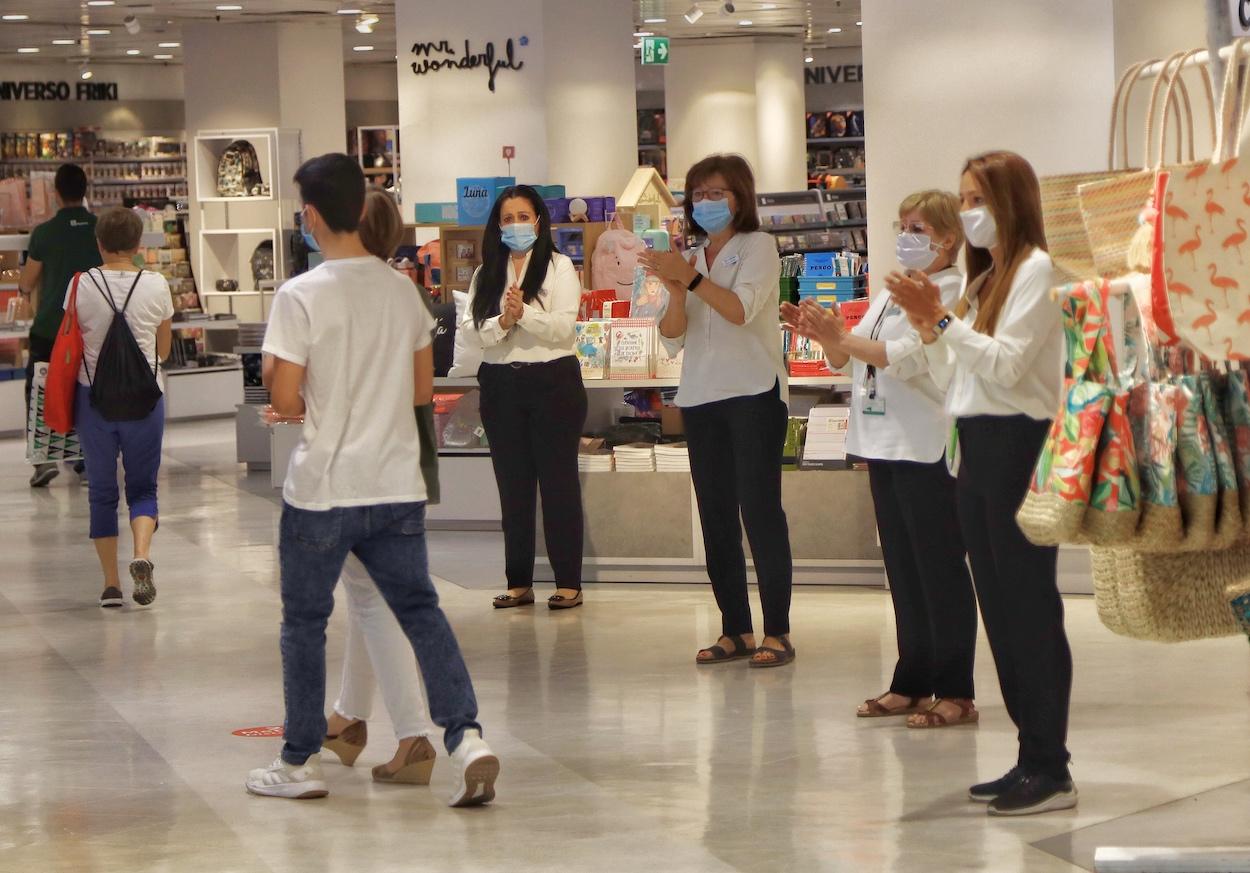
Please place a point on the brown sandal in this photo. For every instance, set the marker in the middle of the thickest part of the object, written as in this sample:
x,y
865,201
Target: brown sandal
x,y
876,709
931,718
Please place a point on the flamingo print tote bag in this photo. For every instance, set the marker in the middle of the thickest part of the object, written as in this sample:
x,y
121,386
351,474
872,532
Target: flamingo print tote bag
x,y
1206,256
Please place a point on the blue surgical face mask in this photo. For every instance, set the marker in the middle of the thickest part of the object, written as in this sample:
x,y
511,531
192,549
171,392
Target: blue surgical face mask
x,y
712,215
519,237
309,239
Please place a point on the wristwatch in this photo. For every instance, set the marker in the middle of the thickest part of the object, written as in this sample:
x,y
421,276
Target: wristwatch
x,y
694,283
943,323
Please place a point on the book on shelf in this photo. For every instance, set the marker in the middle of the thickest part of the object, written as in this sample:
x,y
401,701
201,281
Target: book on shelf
x,y
825,443
592,348
666,366
631,349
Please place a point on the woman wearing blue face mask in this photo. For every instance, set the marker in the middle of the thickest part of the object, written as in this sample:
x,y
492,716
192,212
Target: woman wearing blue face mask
x,y
522,309
723,311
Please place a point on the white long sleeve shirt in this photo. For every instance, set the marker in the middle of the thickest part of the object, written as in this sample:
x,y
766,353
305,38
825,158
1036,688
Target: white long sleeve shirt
x,y
724,360
545,331
1018,370
914,426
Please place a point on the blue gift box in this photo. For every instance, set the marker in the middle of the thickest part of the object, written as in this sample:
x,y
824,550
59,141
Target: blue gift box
x,y
475,197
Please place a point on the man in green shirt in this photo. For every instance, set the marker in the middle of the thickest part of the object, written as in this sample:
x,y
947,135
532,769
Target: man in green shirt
x,y
60,247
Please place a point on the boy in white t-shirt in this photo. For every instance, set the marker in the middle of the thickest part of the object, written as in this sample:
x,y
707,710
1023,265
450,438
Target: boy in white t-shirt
x,y
350,342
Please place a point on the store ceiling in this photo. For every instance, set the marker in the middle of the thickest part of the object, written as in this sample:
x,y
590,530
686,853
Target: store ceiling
x,y
161,21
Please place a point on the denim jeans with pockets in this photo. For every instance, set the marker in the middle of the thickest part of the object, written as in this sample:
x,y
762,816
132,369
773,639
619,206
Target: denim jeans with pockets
x,y
389,540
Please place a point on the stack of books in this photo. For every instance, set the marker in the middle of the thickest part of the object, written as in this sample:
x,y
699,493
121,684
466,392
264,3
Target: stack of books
x,y
598,461
672,458
635,458
825,447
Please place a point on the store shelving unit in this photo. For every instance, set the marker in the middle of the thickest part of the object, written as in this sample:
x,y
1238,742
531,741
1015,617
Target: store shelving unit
x,y
816,220
381,141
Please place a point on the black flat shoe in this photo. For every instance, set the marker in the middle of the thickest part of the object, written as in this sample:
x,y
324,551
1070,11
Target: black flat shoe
x,y
559,601
507,601
780,657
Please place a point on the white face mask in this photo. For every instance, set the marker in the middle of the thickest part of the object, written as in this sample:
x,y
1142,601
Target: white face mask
x,y
915,251
979,227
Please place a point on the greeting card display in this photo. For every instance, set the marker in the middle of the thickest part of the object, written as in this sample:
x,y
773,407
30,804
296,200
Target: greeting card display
x,y
631,349
592,348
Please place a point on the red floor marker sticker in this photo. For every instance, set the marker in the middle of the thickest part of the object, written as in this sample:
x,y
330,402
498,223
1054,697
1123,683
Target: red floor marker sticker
x,y
259,732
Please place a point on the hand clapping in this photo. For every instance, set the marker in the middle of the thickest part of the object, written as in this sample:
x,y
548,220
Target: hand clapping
x,y
674,269
812,321
511,308
919,298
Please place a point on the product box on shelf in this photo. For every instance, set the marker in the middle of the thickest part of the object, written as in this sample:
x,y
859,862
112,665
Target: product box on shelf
x,y
631,349
476,195
436,213
666,366
804,357
593,303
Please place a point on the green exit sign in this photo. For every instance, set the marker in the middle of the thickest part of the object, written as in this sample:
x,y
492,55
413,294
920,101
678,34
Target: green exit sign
x,y
655,49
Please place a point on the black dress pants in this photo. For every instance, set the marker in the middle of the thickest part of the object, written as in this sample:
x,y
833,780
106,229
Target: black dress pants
x,y
735,462
533,416
1017,586
935,610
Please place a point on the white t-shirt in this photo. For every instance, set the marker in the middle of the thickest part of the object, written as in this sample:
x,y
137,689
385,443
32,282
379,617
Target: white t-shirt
x,y
354,323
150,305
722,359
914,426
1018,370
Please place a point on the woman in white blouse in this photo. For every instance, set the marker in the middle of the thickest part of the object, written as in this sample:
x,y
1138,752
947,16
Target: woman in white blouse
x,y
522,309
723,310
898,424
1001,351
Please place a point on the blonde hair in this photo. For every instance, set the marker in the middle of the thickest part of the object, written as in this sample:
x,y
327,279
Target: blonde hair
x,y
381,226
940,210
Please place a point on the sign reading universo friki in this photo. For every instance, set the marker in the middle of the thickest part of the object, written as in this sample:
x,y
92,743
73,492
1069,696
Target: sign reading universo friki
x,y
57,91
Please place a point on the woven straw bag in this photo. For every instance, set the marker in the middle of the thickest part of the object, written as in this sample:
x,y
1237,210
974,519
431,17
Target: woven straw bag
x,y
1111,208
1237,417
1228,524
1172,598
1198,484
1106,589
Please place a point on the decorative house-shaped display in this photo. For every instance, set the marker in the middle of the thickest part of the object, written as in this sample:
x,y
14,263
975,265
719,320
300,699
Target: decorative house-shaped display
x,y
646,195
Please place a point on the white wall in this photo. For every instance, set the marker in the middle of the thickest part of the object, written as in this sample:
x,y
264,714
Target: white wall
x,y
1146,29
592,126
1036,78
311,86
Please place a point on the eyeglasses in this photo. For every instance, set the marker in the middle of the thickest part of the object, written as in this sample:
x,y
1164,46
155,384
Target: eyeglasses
x,y
909,227
709,194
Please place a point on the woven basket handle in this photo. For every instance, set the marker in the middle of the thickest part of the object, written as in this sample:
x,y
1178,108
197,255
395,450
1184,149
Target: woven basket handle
x,y
1168,80
1174,77
1119,114
1232,127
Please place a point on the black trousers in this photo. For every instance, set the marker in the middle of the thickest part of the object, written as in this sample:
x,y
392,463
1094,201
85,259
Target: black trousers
x,y
735,462
1017,586
935,611
534,416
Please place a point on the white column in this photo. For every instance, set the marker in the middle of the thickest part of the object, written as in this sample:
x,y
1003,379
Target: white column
x,y
780,108
743,96
1037,79
311,91
710,102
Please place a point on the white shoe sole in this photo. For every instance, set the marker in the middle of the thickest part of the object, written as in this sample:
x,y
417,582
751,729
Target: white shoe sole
x,y
145,586
1055,803
290,790
112,603
478,785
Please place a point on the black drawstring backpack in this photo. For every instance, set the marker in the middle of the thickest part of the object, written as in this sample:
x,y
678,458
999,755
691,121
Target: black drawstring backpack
x,y
124,387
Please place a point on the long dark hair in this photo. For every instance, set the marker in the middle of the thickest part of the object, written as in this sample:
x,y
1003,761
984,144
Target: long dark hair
x,y
493,275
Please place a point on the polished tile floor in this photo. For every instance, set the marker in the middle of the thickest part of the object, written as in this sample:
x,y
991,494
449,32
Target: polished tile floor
x,y
619,755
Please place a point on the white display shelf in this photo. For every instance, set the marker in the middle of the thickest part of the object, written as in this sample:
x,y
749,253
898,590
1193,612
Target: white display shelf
x,y
194,371
208,324
237,231
627,384
249,199
210,145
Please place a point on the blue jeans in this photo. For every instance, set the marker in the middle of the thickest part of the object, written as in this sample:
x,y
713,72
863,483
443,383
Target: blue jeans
x,y
389,539
138,443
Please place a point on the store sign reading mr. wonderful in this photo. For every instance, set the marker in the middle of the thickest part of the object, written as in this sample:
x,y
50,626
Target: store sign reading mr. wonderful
x,y
57,91
428,62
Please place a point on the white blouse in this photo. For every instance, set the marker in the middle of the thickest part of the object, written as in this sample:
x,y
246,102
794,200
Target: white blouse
x,y
724,360
1018,370
545,331
914,424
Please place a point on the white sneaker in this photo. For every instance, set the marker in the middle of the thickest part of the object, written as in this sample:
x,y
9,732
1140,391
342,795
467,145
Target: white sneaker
x,y
281,779
477,768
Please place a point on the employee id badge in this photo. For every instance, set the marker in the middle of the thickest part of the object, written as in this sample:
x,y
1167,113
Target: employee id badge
x,y
871,403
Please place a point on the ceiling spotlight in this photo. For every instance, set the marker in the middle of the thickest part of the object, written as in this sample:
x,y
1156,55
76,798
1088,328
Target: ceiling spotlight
x,y
859,24
64,42
28,51
746,22
769,7
350,11
132,25
15,16
163,57
133,52
362,48
230,7
101,2
808,59
655,21
100,31
835,30
86,74
168,45
365,23
693,14
642,33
